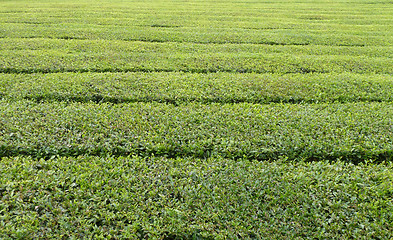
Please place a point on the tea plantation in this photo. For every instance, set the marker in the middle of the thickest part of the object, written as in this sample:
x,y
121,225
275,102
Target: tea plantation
x,y
196,119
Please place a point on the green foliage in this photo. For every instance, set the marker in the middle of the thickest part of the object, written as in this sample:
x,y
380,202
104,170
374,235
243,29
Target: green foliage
x,y
117,198
196,119
179,88
352,132
50,56
286,22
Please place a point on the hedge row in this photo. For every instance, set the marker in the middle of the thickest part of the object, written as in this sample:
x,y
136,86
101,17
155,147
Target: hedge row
x,y
174,22
180,88
50,61
196,35
159,198
353,132
169,48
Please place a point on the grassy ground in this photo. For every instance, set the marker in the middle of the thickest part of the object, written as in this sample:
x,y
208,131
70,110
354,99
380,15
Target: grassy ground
x,y
196,119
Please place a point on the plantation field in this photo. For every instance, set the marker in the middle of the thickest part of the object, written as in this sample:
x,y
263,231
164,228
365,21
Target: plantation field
x,y
196,119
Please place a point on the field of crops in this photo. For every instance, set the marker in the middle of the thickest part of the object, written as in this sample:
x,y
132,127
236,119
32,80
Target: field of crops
x,y
196,119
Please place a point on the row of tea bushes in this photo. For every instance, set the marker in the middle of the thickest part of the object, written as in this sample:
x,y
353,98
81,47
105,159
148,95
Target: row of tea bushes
x,y
51,61
169,32
172,48
187,198
180,88
353,132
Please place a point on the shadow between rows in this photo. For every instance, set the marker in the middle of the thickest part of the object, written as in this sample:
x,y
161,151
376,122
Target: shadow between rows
x,y
5,70
205,152
100,98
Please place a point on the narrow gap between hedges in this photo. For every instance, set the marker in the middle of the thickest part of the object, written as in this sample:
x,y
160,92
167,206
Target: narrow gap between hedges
x,y
355,157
